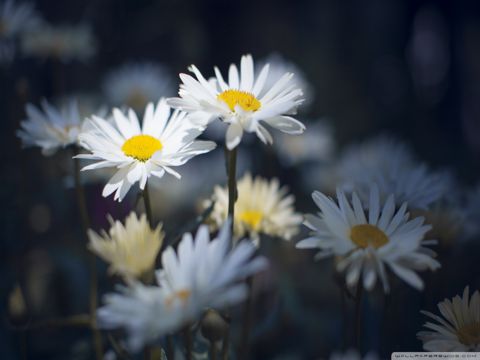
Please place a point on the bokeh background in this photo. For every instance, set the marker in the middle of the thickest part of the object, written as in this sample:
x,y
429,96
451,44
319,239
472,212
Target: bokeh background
x,y
410,69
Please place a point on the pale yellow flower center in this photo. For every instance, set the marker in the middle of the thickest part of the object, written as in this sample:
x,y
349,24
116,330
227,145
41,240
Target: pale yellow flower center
x,y
469,334
181,295
141,147
245,100
365,235
252,218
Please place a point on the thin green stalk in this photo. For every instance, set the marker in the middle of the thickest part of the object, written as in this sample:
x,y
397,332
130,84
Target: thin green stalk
x,y
93,302
213,350
226,344
170,348
358,316
232,185
187,333
148,205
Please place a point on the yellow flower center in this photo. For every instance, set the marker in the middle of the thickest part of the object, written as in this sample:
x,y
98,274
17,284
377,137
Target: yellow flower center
x,y
365,235
181,295
141,147
469,334
245,100
252,218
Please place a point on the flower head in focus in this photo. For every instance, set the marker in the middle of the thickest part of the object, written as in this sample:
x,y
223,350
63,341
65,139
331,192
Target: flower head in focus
x,y
163,141
202,273
65,43
243,102
137,84
130,249
51,128
366,243
262,207
458,329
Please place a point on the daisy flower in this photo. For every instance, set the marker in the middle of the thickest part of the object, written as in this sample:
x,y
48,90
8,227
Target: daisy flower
x,y
278,67
392,166
201,274
51,128
65,43
135,85
243,102
164,141
367,242
458,327
130,249
262,207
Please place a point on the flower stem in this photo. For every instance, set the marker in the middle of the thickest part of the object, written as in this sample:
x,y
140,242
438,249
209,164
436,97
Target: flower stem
x,y
82,206
247,321
148,206
188,342
170,347
226,344
232,185
358,316
213,350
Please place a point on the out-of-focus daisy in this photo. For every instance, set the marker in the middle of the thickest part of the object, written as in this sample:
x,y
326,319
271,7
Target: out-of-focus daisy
x,y
201,274
244,102
278,67
458,327
51,128
164,141
316,145
391,165
130,249
135,85
471,213
262,207
15,20
365,243
352,355
65,43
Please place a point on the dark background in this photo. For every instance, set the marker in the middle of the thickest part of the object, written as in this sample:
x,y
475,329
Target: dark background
x,y
410,68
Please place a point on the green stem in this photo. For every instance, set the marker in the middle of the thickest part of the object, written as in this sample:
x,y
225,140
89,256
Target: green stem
x,y
148,206
170,349
226,344
232,185
213,351
82,206
358,316
188,342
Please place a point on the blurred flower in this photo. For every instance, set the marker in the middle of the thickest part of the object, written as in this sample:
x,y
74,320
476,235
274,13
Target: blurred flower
x,y
471,213
135,85
243,102
391,165
365,245
280,66
202,274
262,207
15,20
317,144
130,250
459,327
65,43
352,355
163,142
53,128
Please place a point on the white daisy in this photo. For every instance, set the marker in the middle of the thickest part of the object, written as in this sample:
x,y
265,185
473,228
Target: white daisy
x,y
352,355
130,249
65,43
201,274
365,243
52,128
164,141
278,67
391,165
458,329
262,207
137,84
243,102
